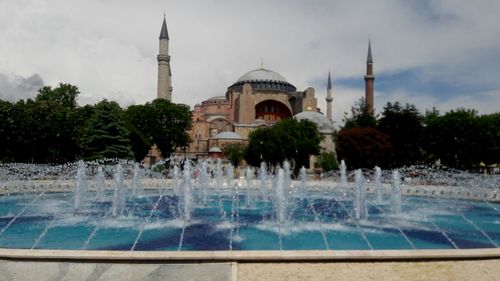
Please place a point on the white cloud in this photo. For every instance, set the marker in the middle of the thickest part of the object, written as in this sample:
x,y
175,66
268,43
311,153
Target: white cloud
x,y
108,48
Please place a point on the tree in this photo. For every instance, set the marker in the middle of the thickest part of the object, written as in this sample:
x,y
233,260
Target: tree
x,y
488,139
403,124
234,152
300,139
328,161
105,135
460,138
64,95
364,148
264,145
6,130
139,122
159,122
361,116
289,139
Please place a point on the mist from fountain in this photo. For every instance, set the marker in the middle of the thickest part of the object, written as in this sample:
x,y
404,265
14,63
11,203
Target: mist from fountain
x,y
119,199
360,210
377,183
249,186
281,203
187,195
396,192
137,188
81,186
302,190
262,180
204,182
100,184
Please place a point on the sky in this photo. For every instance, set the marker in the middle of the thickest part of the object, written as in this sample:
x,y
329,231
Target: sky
x,y
431,53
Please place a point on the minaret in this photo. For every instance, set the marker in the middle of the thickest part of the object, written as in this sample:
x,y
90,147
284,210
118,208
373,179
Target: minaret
x,y
329,98
369,79
164,71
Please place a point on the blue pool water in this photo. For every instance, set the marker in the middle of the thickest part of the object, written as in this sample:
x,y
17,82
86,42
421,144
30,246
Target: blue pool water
x,y
153,222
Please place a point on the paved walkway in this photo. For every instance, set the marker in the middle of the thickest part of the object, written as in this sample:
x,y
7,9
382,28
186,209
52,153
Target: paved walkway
x,y
477,270
89,271
13,270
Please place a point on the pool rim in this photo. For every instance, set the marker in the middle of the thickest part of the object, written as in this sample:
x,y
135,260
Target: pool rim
x,y
250,255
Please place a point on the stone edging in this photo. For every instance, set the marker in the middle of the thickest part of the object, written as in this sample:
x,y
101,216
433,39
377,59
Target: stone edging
x,y
249,256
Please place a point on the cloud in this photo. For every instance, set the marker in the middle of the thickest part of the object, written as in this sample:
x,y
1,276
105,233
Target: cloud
x,y
108,48
15,87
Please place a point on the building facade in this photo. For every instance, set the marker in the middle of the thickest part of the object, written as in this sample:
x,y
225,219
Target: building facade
x,y
259,98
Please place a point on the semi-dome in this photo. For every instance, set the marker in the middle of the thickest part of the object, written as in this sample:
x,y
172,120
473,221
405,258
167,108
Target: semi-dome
x,y
263,80
324,124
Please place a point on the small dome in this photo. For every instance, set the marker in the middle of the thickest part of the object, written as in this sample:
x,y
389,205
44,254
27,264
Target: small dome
x,y
215,149
228,136
263,80
324,124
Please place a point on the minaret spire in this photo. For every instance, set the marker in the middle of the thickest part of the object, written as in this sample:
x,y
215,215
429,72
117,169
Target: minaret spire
x,y
369,79
369,58
164,71
164,30
329,98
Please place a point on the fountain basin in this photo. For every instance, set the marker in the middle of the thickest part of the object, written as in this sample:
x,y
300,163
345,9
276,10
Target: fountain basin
x,y
322,221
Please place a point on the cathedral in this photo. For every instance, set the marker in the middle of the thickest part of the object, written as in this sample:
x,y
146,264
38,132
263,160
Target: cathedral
x,y
258,98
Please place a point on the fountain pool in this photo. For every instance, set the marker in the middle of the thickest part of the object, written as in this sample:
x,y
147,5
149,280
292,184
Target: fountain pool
x,y
202,208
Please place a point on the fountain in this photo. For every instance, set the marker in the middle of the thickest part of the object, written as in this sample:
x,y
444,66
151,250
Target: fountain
x,y
203,207
377,182
360,210
119,199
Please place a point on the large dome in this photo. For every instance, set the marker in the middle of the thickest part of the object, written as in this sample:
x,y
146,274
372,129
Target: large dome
x,y
324,124
262,74
263,80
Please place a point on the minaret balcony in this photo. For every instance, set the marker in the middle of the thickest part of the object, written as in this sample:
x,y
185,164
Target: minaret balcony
x,y
163,58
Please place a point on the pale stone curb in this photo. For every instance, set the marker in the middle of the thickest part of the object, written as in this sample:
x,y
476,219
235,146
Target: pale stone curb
x,y
250,256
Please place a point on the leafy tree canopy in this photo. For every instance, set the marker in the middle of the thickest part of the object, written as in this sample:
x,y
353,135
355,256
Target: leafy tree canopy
x,y
234,152
105,135
289,140
158,122
364,148
361,117
404,126
328,161
65,95
460,138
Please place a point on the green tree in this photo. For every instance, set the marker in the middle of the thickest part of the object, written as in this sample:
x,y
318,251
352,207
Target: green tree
x,y
159,122
404,125
234,152
264,145
364,148
6,131
488,139
300,139
361,117
45,128
289,139
328,161
105,135
64,95
140,123
460,138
